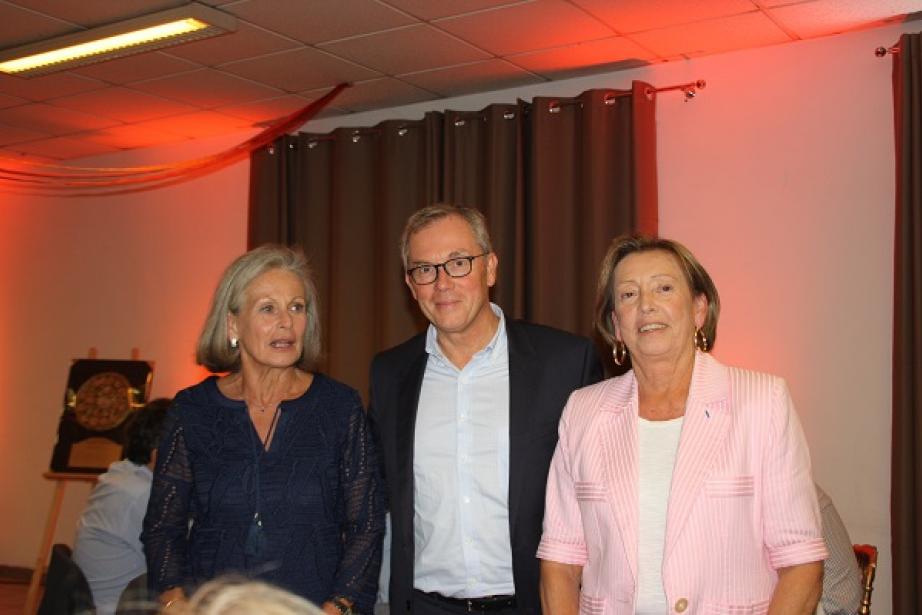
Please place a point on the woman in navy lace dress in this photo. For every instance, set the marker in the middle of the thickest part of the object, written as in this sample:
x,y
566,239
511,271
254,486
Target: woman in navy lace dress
x,y
268,471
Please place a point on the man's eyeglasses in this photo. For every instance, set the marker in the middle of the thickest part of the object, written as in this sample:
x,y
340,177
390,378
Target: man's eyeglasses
x,y
456,267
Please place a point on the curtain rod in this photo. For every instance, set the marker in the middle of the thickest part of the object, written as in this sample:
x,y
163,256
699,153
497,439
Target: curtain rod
x,y
690,90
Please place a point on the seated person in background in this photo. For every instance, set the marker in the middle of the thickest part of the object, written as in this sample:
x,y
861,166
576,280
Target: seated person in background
x,y
239,596
841,574
108,548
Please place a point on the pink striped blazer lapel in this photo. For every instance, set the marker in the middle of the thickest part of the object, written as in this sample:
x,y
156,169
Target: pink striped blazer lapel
x,y
618,436
704,430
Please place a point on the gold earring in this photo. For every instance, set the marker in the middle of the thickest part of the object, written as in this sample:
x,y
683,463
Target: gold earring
x,y
619,353
701,340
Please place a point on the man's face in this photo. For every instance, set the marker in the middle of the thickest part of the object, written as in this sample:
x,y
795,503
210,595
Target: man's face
x,y
452,305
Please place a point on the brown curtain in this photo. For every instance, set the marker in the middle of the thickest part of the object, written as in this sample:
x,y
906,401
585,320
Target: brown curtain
x,y
556,178
906,467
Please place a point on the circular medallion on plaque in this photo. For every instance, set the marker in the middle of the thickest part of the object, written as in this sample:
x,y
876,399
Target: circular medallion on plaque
x,y
103,401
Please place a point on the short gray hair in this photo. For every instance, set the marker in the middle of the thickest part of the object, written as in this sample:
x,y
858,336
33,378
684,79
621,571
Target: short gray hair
x,y
214,350
697,277
422,218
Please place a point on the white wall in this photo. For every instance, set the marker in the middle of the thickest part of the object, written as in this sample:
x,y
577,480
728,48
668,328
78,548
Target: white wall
x,y
779,176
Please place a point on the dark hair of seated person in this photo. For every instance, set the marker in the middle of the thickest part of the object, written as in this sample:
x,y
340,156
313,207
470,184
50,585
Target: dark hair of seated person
x,y
143,430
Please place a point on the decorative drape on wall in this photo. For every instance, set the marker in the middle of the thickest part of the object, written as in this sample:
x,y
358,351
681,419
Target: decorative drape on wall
x,y
556,179
906,456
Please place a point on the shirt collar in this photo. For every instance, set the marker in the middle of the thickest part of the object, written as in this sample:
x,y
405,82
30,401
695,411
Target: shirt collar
x,y
496,344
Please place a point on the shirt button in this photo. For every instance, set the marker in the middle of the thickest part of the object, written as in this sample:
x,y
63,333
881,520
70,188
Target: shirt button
x,y
467,500
680,605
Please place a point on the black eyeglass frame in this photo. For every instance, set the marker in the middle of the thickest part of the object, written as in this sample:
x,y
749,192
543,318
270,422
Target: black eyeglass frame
x,y
437,266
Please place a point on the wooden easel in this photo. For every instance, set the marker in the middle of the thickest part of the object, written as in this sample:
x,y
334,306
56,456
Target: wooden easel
x,y
61,479
51,524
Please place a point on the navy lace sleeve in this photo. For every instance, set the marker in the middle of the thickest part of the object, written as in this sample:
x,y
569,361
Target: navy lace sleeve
x,y
168,511
363,507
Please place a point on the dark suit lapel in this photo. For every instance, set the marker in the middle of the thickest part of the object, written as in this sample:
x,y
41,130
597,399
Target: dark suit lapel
x,y
405,426
523,370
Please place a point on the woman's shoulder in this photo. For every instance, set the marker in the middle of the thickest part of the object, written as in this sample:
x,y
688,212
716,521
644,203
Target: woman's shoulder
x,y
611,394
202,397
331,393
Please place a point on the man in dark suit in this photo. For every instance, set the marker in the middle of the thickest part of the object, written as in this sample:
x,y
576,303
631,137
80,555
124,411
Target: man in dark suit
x,y
466,414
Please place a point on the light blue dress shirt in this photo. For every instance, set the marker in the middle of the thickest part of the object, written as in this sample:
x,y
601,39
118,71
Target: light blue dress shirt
x,y
108,546
461,473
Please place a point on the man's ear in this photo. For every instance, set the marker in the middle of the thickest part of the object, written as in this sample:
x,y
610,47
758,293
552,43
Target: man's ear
x,y
492,268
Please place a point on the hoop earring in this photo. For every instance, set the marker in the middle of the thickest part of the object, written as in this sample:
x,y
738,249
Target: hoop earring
x,y
233,342
619,353
701,340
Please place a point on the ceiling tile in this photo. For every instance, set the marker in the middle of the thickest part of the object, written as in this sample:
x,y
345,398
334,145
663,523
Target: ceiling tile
x,y
247,42
427,9
526,27
49,86
319,20
137,68
199,124
584,58
19,26
375,94
132,136
91,13
470,78
262,111
16,134
123,104
823,17
52,120
712,36
406,50
62,148
206,88
298,70
638,15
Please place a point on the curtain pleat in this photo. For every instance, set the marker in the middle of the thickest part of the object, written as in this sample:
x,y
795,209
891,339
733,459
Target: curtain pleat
x,y
906,455
555,188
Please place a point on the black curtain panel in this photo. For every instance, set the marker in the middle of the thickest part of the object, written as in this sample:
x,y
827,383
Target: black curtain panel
x,y
906,460
557,179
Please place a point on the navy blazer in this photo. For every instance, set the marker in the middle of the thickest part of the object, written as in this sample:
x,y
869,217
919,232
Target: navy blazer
x,y
545,366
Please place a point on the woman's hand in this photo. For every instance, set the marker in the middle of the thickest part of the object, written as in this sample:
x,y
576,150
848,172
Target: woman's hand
x,y
560,587
798,590
172,598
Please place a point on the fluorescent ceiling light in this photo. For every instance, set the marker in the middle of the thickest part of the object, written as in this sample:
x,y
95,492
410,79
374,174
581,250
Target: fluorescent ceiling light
x,y
171,27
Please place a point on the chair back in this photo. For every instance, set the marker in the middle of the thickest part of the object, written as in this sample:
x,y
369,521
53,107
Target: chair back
x,y
867,561
66,589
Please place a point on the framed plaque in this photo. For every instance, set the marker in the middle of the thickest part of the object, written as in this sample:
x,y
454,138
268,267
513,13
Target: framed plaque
x,y
101,395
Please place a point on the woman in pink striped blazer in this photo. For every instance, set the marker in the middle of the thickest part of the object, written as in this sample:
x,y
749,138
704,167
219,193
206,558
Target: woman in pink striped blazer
x,y
683,486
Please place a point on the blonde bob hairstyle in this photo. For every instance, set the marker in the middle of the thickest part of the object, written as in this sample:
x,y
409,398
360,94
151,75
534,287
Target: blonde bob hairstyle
x,y
214,350
422,218
698,279
237,596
